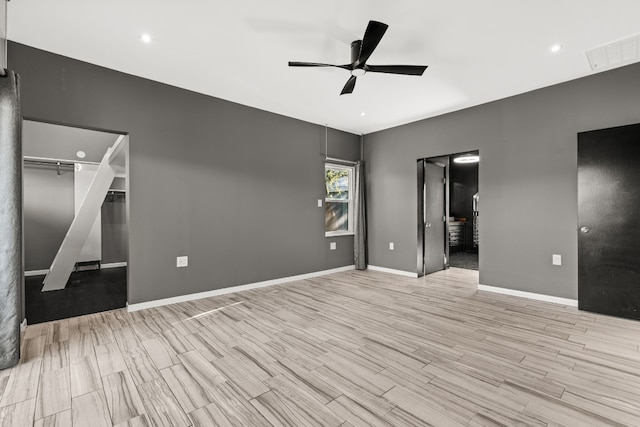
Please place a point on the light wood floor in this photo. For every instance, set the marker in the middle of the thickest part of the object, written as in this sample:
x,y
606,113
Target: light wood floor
x,y
350,349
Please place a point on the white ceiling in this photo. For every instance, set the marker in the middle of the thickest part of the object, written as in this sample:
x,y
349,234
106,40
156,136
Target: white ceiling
x,y
477,51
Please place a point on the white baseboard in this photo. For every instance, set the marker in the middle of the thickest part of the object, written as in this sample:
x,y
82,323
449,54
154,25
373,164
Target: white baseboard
x,y
392,271
530,295
233,289
114,265
44,272
36,273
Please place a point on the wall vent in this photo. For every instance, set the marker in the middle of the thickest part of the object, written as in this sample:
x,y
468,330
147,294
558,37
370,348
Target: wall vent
x,y
615,54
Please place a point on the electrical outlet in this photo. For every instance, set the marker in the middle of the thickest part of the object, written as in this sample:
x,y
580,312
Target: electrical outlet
x,y
182,261
391,246
319,203
332,246
556,259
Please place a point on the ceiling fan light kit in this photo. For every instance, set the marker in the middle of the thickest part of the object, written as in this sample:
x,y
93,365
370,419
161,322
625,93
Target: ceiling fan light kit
x,y
361,50
467,158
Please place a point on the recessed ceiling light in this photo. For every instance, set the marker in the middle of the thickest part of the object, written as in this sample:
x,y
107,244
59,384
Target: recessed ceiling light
x,y
81,154
362,114
146,38
467,158
556,48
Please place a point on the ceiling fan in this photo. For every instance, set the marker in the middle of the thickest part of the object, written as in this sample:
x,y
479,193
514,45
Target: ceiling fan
x,y
361,50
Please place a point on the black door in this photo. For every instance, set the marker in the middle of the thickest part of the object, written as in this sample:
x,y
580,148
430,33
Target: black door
x,y
431,215
609,221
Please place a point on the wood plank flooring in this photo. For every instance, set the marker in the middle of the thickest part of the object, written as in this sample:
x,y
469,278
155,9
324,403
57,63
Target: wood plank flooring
x,y
349,349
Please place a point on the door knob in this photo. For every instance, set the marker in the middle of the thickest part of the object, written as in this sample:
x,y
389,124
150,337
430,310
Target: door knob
x,y
584,230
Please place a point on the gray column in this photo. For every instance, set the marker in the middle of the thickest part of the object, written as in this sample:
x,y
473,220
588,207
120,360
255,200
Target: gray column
x,y
11,276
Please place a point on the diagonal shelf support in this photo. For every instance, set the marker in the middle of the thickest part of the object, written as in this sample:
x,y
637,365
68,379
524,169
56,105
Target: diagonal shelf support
x,y
69,251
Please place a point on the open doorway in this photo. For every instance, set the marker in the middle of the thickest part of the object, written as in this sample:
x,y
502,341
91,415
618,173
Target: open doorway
x,y
448,212
59,165
464,213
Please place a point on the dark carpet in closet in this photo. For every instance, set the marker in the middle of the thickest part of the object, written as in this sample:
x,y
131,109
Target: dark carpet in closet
x,y
90,291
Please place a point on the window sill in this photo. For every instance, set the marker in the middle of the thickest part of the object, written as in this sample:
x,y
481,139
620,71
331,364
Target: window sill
x,y
338,233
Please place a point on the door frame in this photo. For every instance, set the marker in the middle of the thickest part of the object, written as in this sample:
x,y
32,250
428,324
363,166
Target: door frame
x,y
127,198
446,160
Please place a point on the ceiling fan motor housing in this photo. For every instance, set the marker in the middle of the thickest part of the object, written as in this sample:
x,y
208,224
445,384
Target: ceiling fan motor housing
x,y
356,47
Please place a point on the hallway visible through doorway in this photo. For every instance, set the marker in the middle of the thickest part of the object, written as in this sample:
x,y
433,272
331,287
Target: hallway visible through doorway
x,y
468,260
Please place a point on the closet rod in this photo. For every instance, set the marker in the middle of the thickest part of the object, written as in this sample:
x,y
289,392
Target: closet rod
x,y
40,163
62,162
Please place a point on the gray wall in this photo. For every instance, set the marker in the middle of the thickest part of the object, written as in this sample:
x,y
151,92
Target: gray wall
x,y
527,177
115,245
232,187
49,210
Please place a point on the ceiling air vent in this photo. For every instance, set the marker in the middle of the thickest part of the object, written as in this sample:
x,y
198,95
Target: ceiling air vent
x,y
615,54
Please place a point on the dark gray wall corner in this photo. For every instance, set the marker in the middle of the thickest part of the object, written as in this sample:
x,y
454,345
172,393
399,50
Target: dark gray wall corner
x,y
527,177
232,187
339,145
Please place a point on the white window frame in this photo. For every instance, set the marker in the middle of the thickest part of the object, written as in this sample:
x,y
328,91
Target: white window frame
x,y
349,200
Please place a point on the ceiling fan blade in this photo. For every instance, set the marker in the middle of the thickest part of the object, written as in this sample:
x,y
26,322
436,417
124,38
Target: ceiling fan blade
x,y
317,64
409,70
348,88
308,64
372,36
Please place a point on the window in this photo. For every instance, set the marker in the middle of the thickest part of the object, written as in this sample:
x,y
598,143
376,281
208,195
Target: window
x,y
338,211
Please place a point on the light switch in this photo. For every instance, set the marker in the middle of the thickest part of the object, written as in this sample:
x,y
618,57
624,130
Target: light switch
x,y
182,261
557,259
332,246
391,246
319,203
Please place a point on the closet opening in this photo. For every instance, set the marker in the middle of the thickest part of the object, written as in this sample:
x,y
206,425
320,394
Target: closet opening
x,y
75,198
